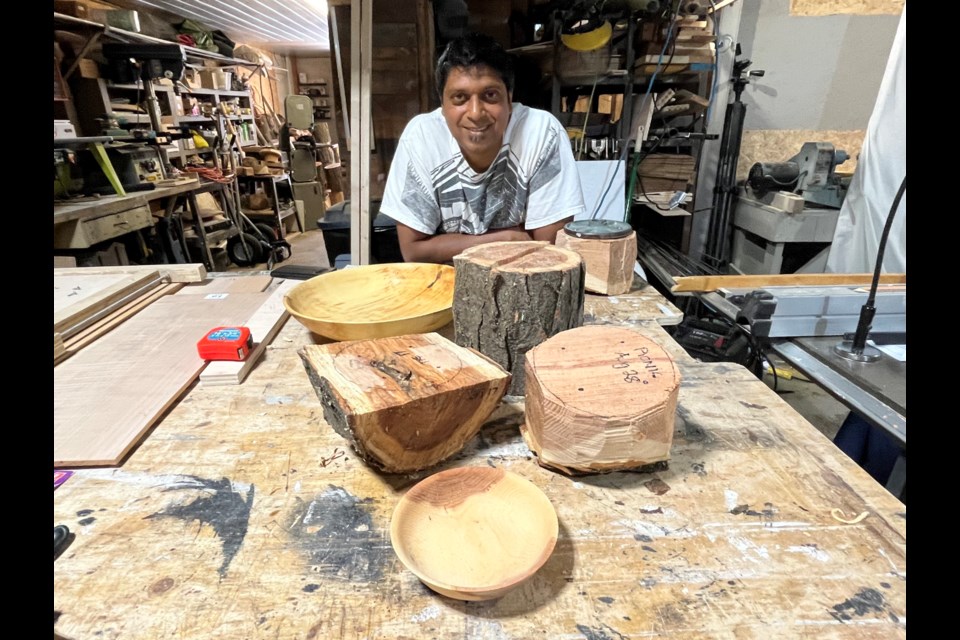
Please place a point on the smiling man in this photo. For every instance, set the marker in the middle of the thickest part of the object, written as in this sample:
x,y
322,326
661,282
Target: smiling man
x,y
481,168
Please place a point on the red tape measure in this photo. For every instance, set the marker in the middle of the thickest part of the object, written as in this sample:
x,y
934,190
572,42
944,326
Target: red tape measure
x,y
226,343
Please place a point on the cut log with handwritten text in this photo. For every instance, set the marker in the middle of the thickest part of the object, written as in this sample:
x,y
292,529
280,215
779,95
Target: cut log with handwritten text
x,y
404,403
600,398
510,296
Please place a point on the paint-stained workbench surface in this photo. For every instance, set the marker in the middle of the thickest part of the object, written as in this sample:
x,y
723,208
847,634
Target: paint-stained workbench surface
x,y
244,515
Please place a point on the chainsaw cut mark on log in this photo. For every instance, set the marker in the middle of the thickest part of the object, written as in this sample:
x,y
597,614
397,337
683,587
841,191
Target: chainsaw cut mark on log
x,y
511,296
496,254
404,403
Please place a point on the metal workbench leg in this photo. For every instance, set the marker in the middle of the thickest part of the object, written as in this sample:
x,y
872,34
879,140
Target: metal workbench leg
x,y
897,482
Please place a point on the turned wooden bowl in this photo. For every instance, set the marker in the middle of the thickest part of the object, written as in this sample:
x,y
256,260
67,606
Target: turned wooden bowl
x,y
474,533
374,301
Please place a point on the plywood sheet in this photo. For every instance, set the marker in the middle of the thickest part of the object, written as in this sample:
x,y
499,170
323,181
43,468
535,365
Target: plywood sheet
x,y
107,396
851,7
782,144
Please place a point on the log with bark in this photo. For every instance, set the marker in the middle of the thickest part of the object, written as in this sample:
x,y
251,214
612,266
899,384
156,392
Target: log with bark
x,y
600,398
509,297
405,403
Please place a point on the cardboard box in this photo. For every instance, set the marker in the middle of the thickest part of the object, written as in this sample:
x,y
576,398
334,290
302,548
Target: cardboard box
x,y
88,68
215,79
71,8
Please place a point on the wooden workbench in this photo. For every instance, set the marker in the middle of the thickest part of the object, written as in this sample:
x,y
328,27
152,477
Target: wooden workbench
x,y
105,205
239,518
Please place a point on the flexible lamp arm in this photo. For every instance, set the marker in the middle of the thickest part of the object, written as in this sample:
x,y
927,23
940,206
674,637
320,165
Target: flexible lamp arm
x,y
869,310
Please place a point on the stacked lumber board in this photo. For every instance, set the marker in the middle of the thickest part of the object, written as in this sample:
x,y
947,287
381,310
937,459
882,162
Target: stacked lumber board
x,y
660,172
90,301
264,325
109,396
691,49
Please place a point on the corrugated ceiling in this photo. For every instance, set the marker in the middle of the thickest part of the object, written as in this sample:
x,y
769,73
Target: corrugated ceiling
x,y
283,26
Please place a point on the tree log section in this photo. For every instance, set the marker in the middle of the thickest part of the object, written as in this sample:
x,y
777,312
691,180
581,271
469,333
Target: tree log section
x,y
510,296
609,263
600,398
404,403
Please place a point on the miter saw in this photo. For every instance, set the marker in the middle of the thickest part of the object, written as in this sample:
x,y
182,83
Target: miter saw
x,y
787,212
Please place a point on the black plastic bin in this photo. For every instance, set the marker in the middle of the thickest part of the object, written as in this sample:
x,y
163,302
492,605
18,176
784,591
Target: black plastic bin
x,y
384,246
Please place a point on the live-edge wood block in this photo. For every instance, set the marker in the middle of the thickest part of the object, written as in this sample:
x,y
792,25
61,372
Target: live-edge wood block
x,y
600,398
405,403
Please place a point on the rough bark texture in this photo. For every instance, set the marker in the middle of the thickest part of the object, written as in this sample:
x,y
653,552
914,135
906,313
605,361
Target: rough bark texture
x,y
511,296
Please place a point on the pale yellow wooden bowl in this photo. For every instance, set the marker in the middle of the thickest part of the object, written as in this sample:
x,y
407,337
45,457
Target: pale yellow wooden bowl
x,y
374,301
474,533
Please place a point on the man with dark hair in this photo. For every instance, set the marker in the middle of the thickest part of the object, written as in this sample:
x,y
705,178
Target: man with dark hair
x,y
480,168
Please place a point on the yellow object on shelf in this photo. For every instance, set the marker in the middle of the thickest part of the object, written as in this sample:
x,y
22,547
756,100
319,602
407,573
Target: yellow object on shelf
x,y
588,41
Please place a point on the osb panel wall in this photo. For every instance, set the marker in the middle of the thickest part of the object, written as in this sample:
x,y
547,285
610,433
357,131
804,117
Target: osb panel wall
x,y
781,145
853,7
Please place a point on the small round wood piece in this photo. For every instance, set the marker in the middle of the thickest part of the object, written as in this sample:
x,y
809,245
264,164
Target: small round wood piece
x,y
600,398
511,296
609,251
474,533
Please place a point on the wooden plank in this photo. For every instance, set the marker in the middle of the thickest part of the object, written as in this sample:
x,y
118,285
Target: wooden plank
x,y
685,284
264,325
642,303
175,272
58,348
103,326
109,395
229,284
64,262
71,319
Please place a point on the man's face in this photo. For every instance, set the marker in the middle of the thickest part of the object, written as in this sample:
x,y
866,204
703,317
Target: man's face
x,y
476,106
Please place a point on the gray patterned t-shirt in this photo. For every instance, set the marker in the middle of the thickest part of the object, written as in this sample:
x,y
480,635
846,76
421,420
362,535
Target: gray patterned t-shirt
x,y
533,181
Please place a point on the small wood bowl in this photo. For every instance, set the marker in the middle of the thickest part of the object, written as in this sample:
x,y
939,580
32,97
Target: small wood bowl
x,y
474,533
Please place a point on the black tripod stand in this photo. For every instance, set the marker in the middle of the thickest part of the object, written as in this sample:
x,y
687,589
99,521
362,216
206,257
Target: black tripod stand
x,y
717,250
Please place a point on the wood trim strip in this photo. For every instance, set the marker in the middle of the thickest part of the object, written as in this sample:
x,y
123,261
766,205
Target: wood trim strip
x,y
687,284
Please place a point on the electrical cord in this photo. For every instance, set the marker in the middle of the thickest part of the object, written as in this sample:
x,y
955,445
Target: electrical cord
x,y
646,96
214,175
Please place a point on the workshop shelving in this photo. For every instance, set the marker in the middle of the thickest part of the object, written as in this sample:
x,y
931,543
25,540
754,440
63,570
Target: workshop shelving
x,y
98,97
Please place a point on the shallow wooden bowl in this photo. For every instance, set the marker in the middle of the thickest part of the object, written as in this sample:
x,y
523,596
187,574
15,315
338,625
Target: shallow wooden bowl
x,y
374,301
474,533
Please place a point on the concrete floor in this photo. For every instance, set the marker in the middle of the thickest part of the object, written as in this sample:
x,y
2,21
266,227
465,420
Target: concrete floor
x,y
809,400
